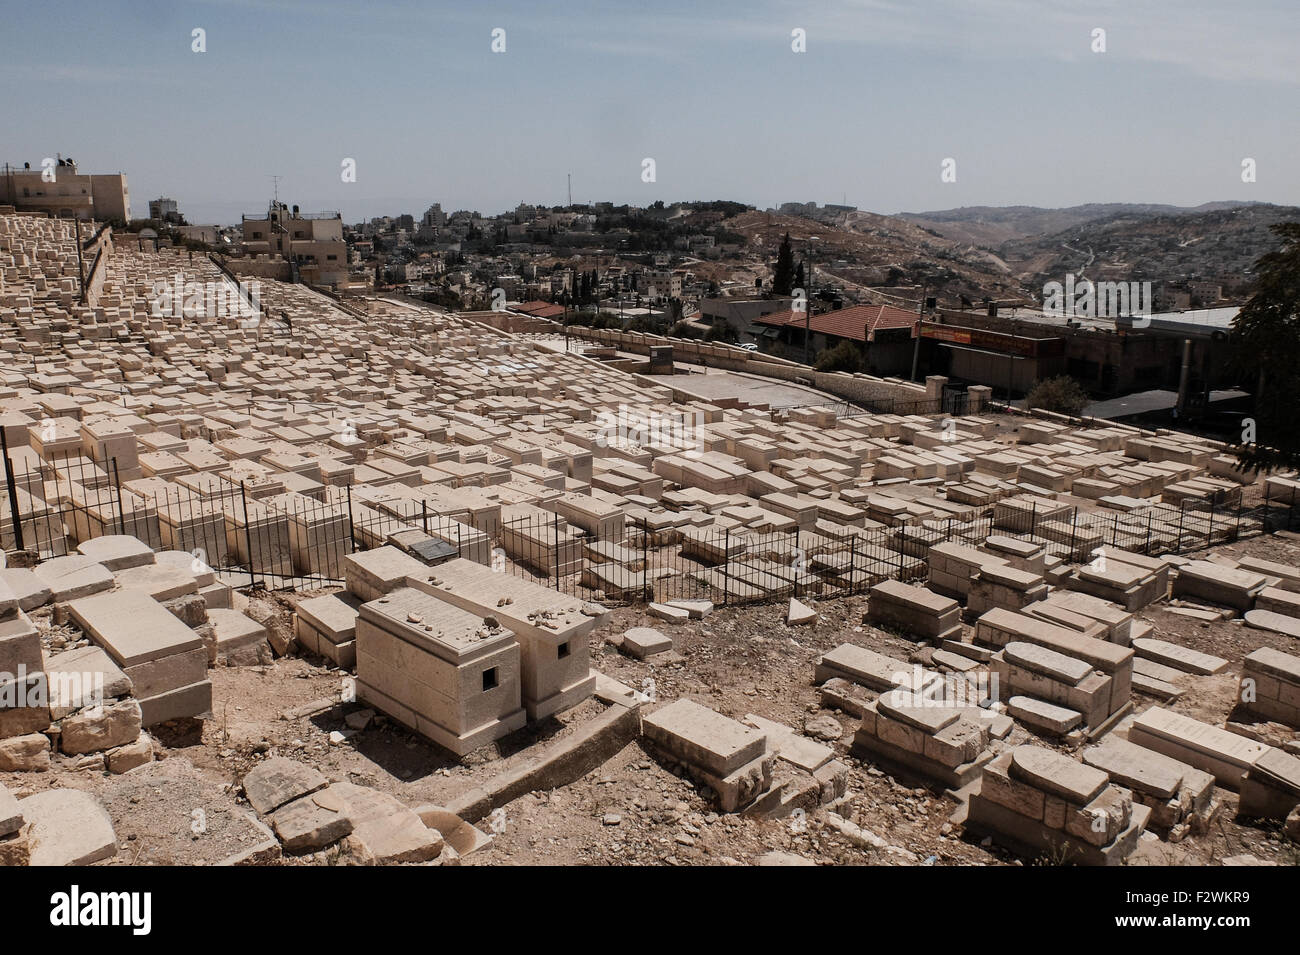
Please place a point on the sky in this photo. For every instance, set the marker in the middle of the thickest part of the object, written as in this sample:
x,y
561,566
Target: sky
x,y
1013,91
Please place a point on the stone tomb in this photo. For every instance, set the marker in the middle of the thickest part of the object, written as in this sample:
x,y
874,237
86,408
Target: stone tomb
x,y
948,745
1218,584
875,671
551,628
730,758
1270,686
1040,803
1180,796
1004,586
1224,755
24,696
449,675
917,612
1077,693
328,626
1271,789
999,628
165,660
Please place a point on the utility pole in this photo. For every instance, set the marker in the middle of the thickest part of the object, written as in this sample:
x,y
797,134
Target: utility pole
x,y
807,306
916,347
81,268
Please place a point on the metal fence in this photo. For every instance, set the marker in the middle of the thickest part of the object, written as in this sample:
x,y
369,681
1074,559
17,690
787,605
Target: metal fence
x,y
291,532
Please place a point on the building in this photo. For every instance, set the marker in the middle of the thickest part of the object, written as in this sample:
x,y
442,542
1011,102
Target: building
x,y
312,243
739,313
58,189
165,210
659,284
433,221
886,334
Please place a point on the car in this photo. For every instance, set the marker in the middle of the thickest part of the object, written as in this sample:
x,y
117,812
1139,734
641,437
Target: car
x,y
749,346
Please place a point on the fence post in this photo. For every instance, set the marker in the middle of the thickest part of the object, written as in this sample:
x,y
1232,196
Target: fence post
x,y
1114,531
1033,519
1237,534
1147,549
13,492
555,542
853,560
645,557
726,565
352,531
1182,509
424,515
248,535
1209,533
117,484
1074,531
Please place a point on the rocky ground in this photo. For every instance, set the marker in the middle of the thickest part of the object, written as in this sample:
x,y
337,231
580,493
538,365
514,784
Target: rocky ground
x,y
187,808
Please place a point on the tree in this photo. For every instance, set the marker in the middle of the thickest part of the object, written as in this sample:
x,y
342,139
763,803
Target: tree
x,y
1062,394
845,356
799,277
783,279
1265,353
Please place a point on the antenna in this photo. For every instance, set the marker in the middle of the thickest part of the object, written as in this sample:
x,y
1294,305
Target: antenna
x,y
570,178
275,186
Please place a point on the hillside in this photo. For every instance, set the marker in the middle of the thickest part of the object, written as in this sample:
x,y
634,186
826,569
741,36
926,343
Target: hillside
x,y
864,249
1217,244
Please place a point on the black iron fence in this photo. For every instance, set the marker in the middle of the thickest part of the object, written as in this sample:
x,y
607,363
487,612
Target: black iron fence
x,y
292,532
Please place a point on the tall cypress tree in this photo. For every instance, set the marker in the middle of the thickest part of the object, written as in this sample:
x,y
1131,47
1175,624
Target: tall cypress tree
x,y
1266,355
783,279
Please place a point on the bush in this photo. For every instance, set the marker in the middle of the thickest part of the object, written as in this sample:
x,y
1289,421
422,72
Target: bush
x,y
1062,394
843,357
722,332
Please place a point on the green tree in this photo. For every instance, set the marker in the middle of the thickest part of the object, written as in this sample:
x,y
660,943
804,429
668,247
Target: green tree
x,y
1265,354
1062,394
846,356
783,278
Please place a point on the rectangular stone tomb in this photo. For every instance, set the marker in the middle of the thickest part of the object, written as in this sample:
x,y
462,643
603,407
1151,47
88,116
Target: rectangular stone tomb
x,y
948,745
165,660
729,757
919,613
1042,804
447,674
551,629
1180,796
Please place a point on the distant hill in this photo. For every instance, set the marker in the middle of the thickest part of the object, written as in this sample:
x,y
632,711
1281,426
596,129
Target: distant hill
x,y
991,226
1008,253
887,253
1217,242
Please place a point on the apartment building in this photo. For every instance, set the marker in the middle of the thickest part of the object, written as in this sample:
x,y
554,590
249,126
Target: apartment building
x,y
56,188
312,242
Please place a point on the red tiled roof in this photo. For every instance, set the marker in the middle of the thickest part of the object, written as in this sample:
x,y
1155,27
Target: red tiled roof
x,y
859,323
532,307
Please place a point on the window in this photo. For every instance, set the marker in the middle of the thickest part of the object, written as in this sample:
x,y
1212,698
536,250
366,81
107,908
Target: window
x,y
563,650
489,679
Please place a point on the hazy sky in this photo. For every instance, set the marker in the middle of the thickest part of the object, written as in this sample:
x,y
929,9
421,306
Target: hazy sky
x,y
710,89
